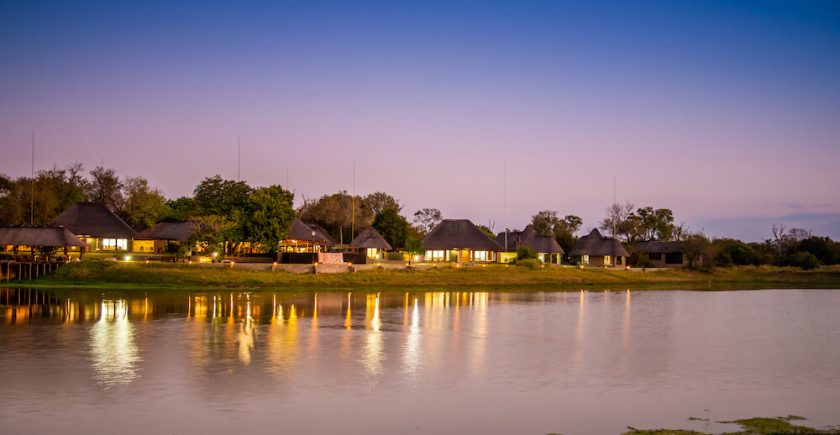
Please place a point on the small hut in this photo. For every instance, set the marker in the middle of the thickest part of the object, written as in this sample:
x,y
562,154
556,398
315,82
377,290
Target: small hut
x,y
32,237
459,240
546,248
166,235
594,249
97,226
658,253
373,244
303,238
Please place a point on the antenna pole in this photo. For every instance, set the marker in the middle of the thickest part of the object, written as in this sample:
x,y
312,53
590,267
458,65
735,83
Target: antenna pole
x,y
353,207
238,159
504,200
32,193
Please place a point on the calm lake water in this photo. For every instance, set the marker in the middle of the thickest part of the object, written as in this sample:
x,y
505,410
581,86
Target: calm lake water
x,y
414,362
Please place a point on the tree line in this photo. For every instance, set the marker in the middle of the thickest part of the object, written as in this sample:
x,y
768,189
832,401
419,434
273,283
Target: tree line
x,y
232,213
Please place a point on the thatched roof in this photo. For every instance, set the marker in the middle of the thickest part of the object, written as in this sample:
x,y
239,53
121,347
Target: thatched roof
x,y
459,234
594,244
55,236
179,231
321,231
529,237
658,247
95,220
369,238
300,231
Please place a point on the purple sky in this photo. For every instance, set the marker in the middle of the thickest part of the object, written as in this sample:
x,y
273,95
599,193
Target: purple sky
x,y
729,114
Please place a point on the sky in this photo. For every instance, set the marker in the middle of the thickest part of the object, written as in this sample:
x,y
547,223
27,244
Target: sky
x,y
728,113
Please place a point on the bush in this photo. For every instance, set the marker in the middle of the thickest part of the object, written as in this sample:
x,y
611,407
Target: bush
x,y
803,260
524,253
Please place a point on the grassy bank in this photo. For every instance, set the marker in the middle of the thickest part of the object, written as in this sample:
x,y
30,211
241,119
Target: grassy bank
x,y
96,274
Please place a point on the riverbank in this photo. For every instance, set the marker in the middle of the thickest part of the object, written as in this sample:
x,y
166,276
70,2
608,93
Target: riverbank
x,y
116,275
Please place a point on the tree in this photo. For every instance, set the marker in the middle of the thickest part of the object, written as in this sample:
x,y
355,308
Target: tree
x,y
617,220
426,219
268,216
655,224
378,202
695,248
213,232
393,227
182,209
143,206
335,213
105,188
217,196
547,223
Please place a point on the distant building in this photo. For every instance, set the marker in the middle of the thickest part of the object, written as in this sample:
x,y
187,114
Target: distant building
x,y
459,240
97,226
546,248
304,238
161,237
594,249
661,254
30,238
371,243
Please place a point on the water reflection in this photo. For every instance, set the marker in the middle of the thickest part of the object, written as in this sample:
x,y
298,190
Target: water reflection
x,y
113,349
553,358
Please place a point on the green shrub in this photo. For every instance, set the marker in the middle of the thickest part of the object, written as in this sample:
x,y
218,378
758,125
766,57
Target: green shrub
x,y
803,260
524,253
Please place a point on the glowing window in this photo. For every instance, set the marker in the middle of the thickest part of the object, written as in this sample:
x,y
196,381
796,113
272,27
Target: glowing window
x,y
479,255
584,259
115,244
434,255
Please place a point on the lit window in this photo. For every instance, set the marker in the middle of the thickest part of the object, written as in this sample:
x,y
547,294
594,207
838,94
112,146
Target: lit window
x,y
115,244
479,255
434,255
584,259
607,260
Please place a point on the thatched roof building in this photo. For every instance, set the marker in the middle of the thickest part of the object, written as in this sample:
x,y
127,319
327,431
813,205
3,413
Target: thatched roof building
x,y
38,236
324,234
300,231
658,253
594,244
459,234
529,237
177,231
369,238
658,247
94,220
596,250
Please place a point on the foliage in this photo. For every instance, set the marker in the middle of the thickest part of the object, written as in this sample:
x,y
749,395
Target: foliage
x,y
547,223
645,223
695,248
105,188
378,202
268,216
54,190
143,206
182,209
530,263
524,253
803,260
217,196
335,213
392,226
426,219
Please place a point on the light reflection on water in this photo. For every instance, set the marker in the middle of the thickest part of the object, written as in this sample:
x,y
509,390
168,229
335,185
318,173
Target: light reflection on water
x,y
113,350
573,362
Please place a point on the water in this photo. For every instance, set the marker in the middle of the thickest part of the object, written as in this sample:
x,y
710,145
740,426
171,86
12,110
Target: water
x,y
416,362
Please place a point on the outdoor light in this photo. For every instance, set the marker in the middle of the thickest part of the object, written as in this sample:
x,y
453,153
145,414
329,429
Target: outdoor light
x,y
127,258
215,254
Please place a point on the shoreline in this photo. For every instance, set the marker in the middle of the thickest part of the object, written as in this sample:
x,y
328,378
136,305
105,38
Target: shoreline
x,y
127,276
